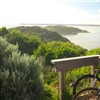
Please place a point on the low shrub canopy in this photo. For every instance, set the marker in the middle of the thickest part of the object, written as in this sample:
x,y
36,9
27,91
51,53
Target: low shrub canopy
x,y
20,74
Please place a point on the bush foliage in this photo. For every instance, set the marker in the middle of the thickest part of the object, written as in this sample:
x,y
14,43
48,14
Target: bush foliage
x,y
20,74
56,50
95,51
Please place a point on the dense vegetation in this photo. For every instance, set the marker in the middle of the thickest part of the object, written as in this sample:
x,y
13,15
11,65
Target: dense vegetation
x,y
21,76
16,74
63,30
44,34
25,69
27,43
55,50
95,51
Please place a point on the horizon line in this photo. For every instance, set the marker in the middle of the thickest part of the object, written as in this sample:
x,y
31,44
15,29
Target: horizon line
x,y
57,24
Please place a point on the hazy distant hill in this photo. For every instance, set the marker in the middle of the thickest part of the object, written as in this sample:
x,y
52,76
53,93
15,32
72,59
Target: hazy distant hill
x,y
44,34
63,30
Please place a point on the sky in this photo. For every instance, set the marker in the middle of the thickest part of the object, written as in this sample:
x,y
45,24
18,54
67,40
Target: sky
x,y
20,12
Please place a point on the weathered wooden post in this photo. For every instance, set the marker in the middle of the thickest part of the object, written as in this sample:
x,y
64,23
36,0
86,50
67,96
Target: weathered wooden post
x,y
62,84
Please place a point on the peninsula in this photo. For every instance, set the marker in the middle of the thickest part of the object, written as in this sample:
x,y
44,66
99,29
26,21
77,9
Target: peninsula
x,y
63,30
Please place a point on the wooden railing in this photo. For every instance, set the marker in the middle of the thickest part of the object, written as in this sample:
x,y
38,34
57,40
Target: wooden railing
x,y
62,65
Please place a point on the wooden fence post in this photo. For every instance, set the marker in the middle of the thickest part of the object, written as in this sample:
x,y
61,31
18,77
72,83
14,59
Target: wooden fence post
x,y
62,84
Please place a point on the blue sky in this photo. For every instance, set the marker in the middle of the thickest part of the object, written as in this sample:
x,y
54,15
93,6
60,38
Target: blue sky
x,y
14,12
90,7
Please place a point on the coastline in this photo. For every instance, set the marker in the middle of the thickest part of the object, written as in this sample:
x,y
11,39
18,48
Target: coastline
x,y
89,40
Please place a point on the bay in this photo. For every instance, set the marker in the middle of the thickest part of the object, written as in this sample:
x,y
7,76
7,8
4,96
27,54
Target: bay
x,y
89,40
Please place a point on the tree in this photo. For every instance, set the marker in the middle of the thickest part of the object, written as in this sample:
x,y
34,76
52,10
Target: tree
x,y
3,31
27,43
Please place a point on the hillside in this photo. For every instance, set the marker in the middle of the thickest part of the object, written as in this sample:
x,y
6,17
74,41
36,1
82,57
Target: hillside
x,y
44,34
63,30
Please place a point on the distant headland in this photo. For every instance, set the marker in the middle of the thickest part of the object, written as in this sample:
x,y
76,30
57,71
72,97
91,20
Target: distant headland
x,y
64,30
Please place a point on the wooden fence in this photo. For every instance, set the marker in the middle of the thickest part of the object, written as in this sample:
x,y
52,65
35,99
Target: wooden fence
x,y
62,65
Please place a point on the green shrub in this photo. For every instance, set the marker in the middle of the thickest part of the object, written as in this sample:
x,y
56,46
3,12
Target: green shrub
x,y
6,48
50,94
52,78
20,75
57,50
95,51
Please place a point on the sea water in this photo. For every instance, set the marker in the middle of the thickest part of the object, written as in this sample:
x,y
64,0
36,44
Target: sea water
x,y
89,40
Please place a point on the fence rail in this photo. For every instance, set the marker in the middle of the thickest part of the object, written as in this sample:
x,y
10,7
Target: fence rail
x,y
62,65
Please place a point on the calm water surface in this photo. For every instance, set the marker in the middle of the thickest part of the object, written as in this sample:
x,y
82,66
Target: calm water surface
x,y
86,40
